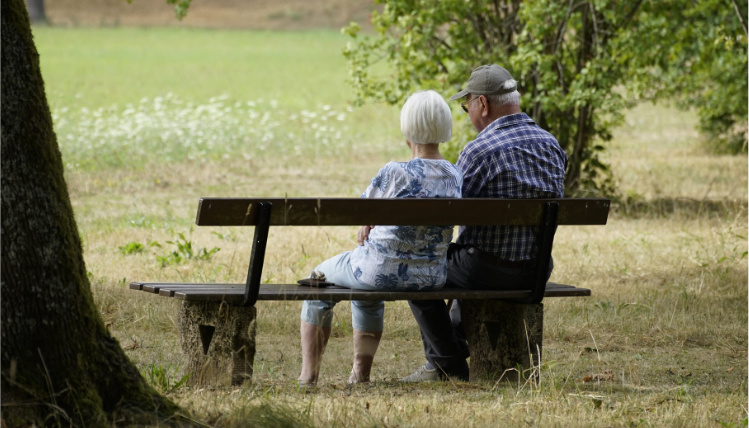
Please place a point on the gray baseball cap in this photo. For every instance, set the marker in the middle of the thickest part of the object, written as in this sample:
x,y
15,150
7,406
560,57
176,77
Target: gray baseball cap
x,y
487,80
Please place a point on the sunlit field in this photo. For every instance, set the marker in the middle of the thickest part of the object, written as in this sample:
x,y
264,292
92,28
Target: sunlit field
x,y
150,120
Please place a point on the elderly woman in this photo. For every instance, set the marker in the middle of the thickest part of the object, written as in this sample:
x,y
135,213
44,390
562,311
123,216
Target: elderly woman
x,y
389,257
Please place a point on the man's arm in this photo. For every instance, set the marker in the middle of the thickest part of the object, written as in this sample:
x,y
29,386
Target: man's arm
x,y
475,171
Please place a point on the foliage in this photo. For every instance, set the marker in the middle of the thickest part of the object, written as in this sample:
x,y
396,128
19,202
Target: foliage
x,y
164,378
180,7
572,60
131,248
184,251
697,55
743,423
563,55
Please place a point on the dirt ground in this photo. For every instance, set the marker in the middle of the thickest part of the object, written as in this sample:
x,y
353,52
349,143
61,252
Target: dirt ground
x,y
248,14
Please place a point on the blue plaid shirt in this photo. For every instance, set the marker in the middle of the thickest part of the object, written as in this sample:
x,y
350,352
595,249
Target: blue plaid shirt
x,y
511,158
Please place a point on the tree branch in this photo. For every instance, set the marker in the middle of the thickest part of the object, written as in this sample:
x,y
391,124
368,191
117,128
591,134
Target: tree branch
x,y
443,42
741,18
629,17
596,42
560,73
432,45
563,28
479,30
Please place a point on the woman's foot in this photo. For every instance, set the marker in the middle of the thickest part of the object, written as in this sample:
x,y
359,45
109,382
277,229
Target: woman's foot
x,y
354,378
365,347
301,384
314,340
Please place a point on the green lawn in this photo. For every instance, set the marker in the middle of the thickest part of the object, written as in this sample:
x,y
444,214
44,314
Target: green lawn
x,y
133,98
105,66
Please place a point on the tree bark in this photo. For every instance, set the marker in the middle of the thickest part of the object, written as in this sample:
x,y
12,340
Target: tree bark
x,y
59,363
505,339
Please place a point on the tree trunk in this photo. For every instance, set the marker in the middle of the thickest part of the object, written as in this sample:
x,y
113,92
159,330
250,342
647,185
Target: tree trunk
x,y
59,364
505,339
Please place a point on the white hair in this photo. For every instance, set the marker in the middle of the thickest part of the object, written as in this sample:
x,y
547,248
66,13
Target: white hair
x,y
426,118
512,98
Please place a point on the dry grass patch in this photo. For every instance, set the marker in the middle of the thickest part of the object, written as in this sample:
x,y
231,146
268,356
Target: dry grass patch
x,y
661,342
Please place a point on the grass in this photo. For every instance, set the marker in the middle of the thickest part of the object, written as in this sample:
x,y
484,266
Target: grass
x,y
98,67
138,96
662,341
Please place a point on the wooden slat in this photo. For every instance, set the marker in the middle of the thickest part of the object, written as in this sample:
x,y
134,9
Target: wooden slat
x,y
156,287
426,211
234,293
170,291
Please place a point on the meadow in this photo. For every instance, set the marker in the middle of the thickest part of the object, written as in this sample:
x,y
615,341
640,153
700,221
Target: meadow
x,y
149,120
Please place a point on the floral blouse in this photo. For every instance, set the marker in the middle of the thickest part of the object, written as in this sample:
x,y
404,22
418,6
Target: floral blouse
x,y
408,257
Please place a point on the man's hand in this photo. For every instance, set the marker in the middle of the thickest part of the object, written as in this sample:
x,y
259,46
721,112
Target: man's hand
x,y
363,234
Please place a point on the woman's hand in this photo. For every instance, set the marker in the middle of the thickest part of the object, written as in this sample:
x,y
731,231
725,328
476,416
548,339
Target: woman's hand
x,y
363,234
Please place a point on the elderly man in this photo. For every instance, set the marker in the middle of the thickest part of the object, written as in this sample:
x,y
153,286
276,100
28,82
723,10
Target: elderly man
x,y
511,157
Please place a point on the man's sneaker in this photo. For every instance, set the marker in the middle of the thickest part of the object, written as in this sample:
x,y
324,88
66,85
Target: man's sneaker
x,y
423,374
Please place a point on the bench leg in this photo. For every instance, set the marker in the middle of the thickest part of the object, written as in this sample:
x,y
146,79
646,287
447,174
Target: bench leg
x,y
218,342
504,338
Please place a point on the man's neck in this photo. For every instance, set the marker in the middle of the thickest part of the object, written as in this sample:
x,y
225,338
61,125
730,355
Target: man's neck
x,y
504,110
495,112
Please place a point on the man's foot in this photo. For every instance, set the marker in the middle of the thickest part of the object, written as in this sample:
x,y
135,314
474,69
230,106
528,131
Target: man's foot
x,y
424,374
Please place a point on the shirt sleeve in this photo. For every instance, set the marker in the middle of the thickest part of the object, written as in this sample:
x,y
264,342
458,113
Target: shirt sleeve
x,y
379,185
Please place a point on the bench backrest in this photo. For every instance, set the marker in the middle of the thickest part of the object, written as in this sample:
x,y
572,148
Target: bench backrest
x,y
398,212
262,213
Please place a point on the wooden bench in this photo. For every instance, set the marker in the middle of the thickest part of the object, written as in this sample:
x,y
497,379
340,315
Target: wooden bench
x,y
504,328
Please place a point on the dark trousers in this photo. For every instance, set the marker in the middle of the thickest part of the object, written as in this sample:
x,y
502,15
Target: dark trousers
x,y
441,328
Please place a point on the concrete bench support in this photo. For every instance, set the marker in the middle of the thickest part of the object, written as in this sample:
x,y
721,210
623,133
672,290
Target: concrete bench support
x,y
505,339
218,342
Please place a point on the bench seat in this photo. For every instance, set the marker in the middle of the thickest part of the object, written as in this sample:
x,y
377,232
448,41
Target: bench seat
x,y
234,293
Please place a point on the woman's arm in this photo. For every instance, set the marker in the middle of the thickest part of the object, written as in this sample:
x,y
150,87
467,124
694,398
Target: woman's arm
x,y
381,186
363,234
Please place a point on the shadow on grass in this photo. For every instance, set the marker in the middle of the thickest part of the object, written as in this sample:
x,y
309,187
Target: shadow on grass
x,y
275,415
682,207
